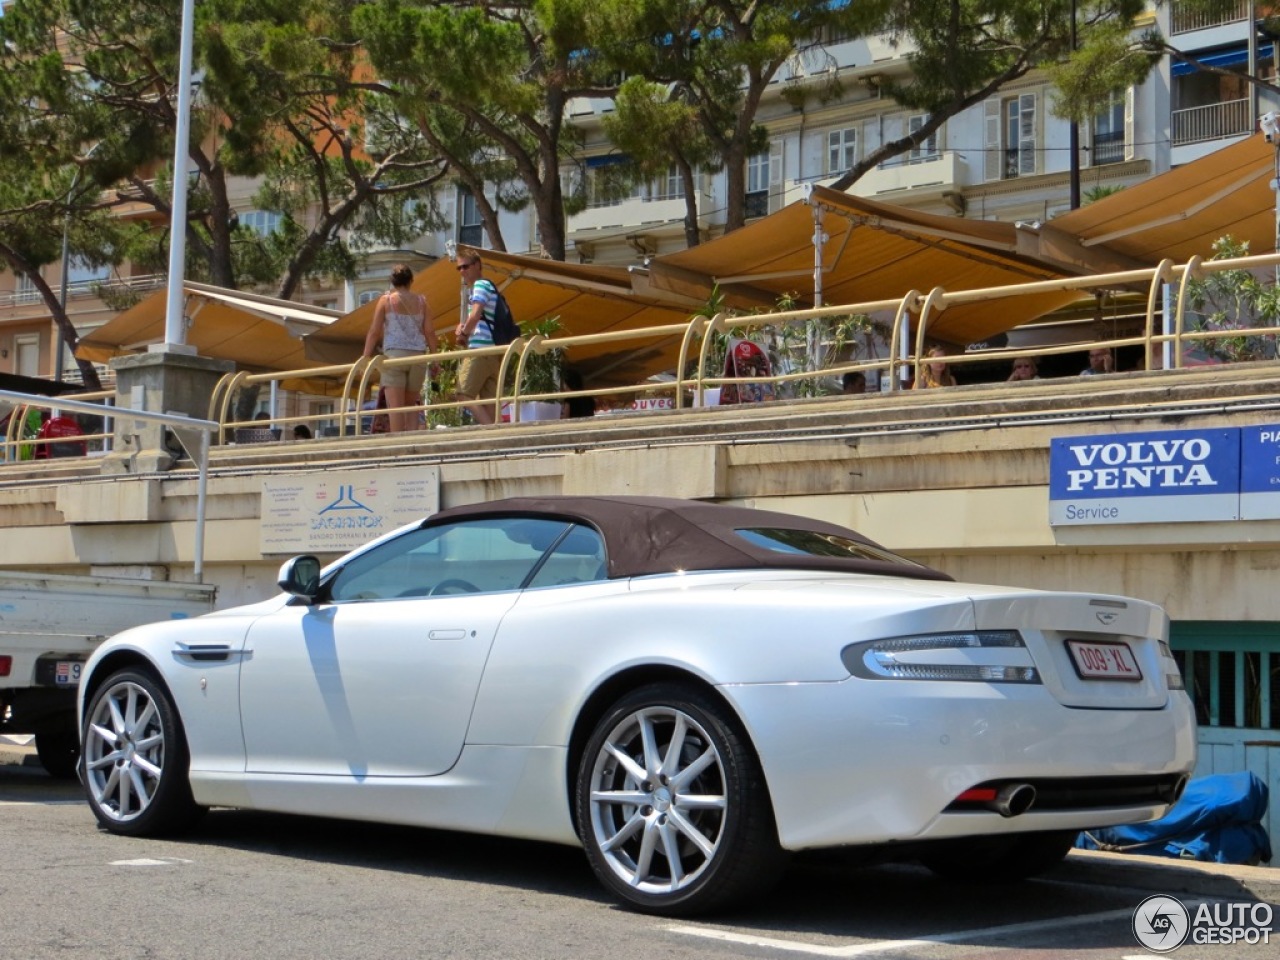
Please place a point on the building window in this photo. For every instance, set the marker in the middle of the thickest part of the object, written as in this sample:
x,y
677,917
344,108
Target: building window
x,y
367,296
261,222
79,271
26,347
927,148
764,181
326,424
668,187
24,289
470,225
1109,131
1011,141
842,150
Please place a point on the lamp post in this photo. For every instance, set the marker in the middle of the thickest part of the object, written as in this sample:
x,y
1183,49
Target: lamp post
x,y
1075,131
66,264
174,328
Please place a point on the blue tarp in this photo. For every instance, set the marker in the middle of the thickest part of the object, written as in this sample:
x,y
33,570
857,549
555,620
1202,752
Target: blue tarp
x,y
1219,818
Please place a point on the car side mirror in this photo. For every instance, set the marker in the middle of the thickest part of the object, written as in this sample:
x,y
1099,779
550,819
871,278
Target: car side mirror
x,y
300,577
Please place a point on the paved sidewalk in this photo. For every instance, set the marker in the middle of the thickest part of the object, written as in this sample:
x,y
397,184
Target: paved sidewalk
x,y
1174,877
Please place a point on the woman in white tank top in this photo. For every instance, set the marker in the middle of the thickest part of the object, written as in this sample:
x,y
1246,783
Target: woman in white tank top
x,y
402,328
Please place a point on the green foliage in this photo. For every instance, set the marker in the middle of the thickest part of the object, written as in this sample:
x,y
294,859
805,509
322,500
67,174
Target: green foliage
x,y
1094,194
279,96
488,86
542,370
1233,300
789,345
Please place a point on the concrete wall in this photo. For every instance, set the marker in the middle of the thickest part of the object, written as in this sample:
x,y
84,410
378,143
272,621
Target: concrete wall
x,y
956,478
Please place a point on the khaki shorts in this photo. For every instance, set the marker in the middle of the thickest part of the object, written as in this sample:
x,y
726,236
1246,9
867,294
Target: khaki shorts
x,y
404,378
478,377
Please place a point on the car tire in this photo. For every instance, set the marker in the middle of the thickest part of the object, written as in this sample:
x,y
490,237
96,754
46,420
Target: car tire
x,y
135,758
999,859
59,751
677,832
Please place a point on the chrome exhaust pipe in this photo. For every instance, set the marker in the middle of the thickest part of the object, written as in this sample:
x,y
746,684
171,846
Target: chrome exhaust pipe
x,y
1014,799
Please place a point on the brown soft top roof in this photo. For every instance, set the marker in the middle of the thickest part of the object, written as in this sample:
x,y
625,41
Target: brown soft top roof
x,y
648,535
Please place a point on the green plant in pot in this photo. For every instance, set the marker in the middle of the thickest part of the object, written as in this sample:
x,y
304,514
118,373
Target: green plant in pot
x,y
541,371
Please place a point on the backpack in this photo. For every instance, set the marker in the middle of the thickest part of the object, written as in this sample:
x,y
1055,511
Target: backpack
x,y
504,326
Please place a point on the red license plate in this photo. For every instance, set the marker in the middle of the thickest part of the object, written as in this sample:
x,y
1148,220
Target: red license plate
x,y
1104,661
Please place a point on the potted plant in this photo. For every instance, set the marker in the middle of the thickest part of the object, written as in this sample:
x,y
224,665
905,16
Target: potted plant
x,y
541,372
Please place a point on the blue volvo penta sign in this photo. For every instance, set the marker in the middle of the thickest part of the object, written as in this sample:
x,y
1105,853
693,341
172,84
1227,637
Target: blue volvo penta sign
x,y
1163,477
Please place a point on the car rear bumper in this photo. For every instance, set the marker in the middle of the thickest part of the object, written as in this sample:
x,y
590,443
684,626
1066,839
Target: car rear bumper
x,y
861,762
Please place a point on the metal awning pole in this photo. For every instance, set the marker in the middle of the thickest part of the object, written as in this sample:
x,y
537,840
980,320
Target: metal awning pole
x,y
202,494
816,359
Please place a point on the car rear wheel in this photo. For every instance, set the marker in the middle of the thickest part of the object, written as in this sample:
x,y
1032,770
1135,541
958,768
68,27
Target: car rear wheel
x,y
672,806
135,758
59,750
999,859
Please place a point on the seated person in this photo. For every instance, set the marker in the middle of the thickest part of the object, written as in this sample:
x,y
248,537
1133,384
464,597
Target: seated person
x,y
855,381
936,372
1100,361
1024,368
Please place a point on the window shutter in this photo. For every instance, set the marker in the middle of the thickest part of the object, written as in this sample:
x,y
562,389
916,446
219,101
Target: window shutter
x,y
993,155
1130,139
1027,120
775,175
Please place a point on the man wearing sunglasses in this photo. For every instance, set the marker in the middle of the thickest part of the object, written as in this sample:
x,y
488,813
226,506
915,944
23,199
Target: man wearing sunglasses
x,y
477,376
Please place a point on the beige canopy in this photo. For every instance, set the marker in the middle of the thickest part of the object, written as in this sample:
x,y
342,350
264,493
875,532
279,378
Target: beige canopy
x,y
873,251
1181,213
257,333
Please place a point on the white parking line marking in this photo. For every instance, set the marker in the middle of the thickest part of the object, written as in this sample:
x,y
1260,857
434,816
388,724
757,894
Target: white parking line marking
x,y
149,862
885,946
41,803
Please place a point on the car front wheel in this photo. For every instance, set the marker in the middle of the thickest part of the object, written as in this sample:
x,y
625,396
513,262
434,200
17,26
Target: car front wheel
x,y
135,758
672,806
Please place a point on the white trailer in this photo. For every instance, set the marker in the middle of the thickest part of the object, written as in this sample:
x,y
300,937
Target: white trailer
x,y
49,624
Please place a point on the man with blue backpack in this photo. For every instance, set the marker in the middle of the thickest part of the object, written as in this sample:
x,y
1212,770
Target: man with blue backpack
x,y
488,323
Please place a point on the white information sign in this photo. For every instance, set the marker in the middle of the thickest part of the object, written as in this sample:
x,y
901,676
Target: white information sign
x,y
338,510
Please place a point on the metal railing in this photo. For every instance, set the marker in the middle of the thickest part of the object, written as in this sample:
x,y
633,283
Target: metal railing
x,y
204,429
1184,18
20,441
1164,341
1210,122
86,288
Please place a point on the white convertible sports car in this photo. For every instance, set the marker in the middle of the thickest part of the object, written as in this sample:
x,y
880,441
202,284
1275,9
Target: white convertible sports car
x,y
685,689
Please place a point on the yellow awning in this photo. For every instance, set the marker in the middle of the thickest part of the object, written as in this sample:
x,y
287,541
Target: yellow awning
x,y
1181,213
873,252
256,333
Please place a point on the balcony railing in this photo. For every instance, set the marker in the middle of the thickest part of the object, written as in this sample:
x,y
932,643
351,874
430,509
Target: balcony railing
x,y
1211,122
1184,19
87,288
1107,148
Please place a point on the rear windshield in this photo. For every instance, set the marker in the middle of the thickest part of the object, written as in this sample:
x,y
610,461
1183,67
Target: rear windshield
x,y
810,543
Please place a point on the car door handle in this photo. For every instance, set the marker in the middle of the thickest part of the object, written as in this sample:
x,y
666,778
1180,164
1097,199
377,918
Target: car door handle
x,y
447,635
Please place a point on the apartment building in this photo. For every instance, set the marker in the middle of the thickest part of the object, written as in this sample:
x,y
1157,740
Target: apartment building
x,y
1007,158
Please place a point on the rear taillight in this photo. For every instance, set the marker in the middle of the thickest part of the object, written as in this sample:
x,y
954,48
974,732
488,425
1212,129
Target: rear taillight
x,y
984,656
6,664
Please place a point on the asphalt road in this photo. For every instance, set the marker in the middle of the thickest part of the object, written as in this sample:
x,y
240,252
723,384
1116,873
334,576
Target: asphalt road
x,y
261,887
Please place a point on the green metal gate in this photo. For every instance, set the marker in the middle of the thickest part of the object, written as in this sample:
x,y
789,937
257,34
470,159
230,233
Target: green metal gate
x,y
1232,671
